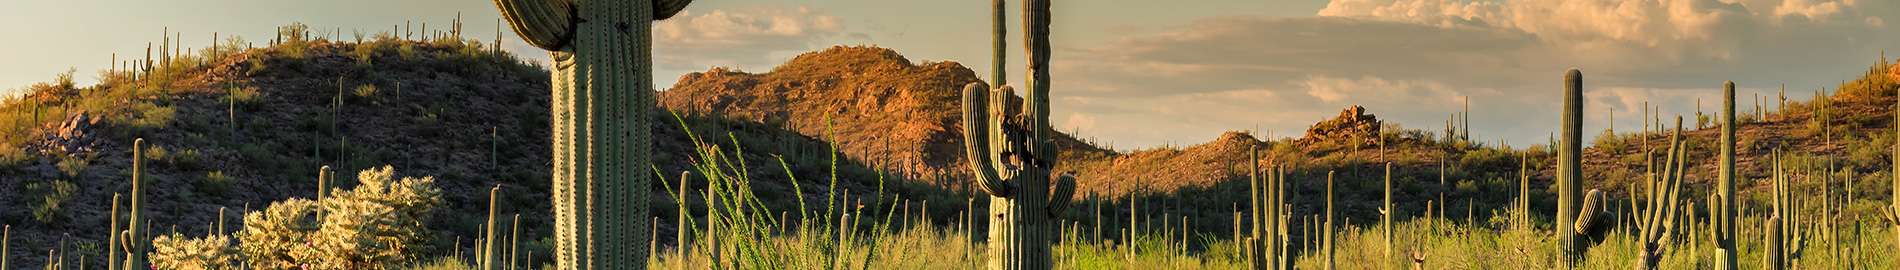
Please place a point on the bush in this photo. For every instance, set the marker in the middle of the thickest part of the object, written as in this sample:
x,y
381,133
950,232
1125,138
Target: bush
x,y
366,91
216,183
12,157
177,252
382,223
54,196
73,165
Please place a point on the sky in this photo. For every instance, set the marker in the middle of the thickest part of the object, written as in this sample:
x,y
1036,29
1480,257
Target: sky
x,y
1143,74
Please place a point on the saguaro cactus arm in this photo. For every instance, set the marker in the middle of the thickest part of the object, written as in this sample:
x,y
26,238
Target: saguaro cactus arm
x,y
1060,195
665,9
977,131
546,24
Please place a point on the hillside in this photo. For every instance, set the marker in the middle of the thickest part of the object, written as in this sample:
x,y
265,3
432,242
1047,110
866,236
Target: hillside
x,y
455,110
877,98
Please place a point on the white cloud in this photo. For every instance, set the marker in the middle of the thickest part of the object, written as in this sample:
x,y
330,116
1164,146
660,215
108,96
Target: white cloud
x,y
1413,61
747,37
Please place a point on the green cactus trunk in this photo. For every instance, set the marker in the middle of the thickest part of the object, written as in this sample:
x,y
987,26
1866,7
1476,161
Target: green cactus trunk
x,y
1724,202
1012,156
488,249
1574,209
1772,251
1569,171
112,238
134,239
1328,226
1265,248
602,98
1893,210
1385,216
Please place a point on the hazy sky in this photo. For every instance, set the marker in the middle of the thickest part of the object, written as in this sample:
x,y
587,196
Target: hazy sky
x,y
1144,73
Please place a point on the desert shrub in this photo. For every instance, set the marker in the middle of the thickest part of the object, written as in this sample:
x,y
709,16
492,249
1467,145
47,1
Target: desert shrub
x,y
73,165
142,119
216,183
366,91
157,153
54,197
188,159
178,252
12,157
379,224
1610,142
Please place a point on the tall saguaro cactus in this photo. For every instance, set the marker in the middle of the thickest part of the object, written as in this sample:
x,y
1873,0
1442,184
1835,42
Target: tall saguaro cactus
x,y
1724,199
1012,155
1892,211
1573,207
1266,247
1658,222
602,79
134,241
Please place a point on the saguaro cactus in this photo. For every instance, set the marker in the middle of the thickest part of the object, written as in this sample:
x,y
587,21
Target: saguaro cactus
x,y
1385,215
1012,156
1658,222
602,99
1892,211
133,242
1266,247
1572,206
1724,199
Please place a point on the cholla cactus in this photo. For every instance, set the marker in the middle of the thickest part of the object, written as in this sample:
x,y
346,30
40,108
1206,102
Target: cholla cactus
x,y
382,223
177,252
603,96
278,238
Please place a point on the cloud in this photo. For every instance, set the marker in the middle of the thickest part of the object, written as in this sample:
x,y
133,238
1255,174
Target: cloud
x,y
754,36
1414,62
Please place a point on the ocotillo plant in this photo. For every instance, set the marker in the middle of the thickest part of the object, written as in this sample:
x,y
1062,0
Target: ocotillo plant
x,y
1572,206
1012,156
134,241
1724,200
1658,222
602,54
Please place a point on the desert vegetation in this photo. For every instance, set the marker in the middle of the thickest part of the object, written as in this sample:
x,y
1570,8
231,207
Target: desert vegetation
x,y
434,151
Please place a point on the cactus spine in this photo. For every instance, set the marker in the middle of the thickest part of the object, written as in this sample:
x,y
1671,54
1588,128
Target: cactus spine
x,y
134,240
1724,199
1572,206
602,79
1658,223
1012,155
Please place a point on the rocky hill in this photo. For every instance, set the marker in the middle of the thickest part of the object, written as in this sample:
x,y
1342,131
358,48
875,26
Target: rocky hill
x,y
241,128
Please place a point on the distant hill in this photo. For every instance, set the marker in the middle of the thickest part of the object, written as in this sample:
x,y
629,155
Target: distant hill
x,y
471,117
